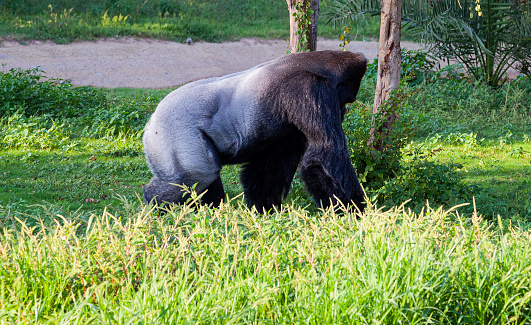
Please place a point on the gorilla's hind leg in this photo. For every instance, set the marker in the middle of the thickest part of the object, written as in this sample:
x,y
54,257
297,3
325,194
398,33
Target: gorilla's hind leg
x,y
165,192
267,178
214,193
160,191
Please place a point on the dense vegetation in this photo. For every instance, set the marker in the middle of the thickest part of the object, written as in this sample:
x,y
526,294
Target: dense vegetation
x,y
487,37
445,238
213,21
230,265
78,244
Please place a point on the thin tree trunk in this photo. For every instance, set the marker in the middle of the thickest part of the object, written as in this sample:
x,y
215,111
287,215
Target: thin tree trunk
x,y
311,34
388,69
315,20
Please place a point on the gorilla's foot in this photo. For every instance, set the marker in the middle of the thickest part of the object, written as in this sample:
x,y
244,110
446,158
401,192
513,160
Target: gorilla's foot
x,y
160,191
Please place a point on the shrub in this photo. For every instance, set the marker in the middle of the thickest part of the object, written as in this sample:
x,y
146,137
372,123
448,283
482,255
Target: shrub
x,y
20,132
386,175
374,167
423,182
26,93
121,118
30,93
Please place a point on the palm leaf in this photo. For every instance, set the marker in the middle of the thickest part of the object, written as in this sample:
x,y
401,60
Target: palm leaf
x,y
487,44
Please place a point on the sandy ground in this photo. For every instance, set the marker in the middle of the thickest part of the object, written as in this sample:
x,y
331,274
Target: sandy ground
x,y
146,63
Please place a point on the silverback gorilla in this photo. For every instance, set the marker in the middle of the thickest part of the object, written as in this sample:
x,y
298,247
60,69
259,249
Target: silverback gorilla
x,y
267,118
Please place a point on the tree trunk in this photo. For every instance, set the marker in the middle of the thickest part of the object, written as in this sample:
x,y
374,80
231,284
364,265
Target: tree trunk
x,y
388,69
296,19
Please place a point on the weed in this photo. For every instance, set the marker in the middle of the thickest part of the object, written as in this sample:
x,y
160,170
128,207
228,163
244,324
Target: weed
x,y
29,92
20,132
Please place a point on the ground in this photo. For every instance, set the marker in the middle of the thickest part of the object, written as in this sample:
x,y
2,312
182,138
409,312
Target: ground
x,y
146,63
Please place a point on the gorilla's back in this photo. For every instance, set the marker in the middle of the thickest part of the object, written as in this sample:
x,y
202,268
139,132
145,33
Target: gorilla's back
x,y
224,111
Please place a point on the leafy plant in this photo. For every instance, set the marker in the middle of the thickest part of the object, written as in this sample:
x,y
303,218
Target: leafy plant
x,y
121,118
486,36
303,19
29,92
115,21
424,181
20,132
469,140
375,167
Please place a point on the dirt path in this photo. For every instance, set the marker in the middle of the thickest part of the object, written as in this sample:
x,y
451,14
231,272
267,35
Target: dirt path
x,y
146,63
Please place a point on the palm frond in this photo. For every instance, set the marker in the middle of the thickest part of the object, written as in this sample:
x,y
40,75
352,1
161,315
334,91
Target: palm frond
x,y
488,41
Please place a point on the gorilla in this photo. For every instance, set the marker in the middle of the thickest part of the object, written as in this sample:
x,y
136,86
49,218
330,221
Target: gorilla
x,y
270,118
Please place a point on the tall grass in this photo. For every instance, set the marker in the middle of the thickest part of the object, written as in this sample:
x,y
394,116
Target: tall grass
x,y
230,265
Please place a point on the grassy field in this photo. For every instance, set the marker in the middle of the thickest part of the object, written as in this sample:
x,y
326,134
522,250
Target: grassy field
x,y
212,21
67,162
79,246
230,265
444,240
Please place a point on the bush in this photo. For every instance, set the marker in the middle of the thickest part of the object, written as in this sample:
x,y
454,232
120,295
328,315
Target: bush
x,y
20,132
374,167
121,118
424,181
29,92
386,175
26,93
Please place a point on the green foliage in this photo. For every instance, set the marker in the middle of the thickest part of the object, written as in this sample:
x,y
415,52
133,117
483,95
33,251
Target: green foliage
x,y
26,96
28,92
303,19
416,67
228,265
398,174
126,117
375,167
211,21
446,110
423,181
20,132
486,36
467,106
456,139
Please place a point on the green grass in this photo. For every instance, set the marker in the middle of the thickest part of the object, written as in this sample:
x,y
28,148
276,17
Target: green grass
x,y
229,265
89,161
79,246
486,134
211,21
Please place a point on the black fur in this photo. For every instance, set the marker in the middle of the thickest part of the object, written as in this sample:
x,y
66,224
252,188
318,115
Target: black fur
x,y
297,107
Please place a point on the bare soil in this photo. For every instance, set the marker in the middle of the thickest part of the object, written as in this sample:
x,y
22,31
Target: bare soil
x,y
147,63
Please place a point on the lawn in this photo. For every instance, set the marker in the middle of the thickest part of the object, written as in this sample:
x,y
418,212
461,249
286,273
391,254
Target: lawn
x,y
444,239
211,21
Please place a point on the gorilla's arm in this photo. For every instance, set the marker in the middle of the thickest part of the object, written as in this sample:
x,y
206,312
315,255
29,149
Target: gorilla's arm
x,y
326,168
328,174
